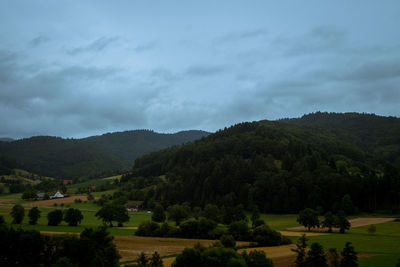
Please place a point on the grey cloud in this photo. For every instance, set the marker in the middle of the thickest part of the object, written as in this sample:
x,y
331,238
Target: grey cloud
x,y
321,39
240,35
39,40
376,70
146,47
205,70
95,46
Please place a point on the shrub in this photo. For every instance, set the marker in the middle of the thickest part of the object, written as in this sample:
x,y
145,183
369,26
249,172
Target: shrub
x,y
228,241
148,228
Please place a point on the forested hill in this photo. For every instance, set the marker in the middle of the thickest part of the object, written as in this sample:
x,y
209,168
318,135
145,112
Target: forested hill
x,y
89,157
276,165
376,134
129,145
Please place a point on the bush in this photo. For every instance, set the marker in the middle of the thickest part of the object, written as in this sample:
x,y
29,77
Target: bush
x,y
228,241
148,228
240,230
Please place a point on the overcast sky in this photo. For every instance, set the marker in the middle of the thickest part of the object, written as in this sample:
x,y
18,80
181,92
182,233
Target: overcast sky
x,y
79,68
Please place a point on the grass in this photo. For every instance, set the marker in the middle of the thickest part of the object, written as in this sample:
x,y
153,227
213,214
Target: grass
x,y
385,243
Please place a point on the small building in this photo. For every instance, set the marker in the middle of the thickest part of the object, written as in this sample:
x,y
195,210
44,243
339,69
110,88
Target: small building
x,y
57,195
67,182
40,195
132,207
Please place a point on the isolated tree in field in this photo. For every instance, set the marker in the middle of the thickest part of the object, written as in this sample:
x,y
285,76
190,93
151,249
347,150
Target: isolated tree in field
x,y
329,221
212,212
316,256
177,213
349,256
308,218
341,222
18,213
54,217
120,214
34,215
73,216
300,250
106,214
158,214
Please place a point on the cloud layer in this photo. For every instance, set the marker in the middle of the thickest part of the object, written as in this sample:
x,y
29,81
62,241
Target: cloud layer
x,y
191,67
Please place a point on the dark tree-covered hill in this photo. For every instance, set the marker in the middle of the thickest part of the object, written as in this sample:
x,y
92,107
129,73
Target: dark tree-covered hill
x,y
129,145
376,134
89,157
278,166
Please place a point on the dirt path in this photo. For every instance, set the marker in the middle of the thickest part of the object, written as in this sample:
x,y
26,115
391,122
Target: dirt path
x,y
357,222
292,233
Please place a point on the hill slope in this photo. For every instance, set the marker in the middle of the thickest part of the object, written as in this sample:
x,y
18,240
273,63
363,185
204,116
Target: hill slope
x,y
276,165
88,157
375,134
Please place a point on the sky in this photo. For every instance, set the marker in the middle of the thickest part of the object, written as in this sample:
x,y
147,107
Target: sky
x,y
80,68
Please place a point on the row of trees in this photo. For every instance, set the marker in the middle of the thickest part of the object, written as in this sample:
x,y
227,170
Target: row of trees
x,y
72,216
309,219
316,256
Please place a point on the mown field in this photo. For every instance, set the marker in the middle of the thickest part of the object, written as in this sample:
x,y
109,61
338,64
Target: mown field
x,y
379,249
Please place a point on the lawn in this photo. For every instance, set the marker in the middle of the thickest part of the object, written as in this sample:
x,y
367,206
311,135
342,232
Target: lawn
x,y
89,220
385,243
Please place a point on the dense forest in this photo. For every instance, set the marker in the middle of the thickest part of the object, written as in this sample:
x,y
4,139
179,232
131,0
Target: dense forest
x,y
280,166
89,157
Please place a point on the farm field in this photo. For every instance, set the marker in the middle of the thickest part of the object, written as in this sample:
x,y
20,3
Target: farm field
x,y
381,248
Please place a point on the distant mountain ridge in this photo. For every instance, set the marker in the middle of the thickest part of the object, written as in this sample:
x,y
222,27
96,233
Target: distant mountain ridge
x,y
92,156
6,139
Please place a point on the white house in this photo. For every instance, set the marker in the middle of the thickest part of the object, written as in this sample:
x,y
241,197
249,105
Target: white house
x,y
57,195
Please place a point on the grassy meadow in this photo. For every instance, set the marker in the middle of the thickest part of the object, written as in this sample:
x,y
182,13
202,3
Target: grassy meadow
x,y
378,249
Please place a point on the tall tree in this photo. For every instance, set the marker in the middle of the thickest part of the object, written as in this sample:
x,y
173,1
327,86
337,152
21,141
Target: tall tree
x,y
308,218
54,217
341,222
34,215
316,256
349,256
329,221
73,217
158,214
177,213
18,213
300,250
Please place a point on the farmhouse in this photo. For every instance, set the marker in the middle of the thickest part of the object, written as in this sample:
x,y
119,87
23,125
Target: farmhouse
x,y
57,195
132,207
67,182
40,195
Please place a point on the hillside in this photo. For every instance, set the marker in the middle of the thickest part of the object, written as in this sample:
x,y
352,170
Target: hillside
x,y
276,165
89,157
375,134
129,145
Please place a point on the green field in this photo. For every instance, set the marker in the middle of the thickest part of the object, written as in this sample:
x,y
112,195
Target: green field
x,y
382,247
